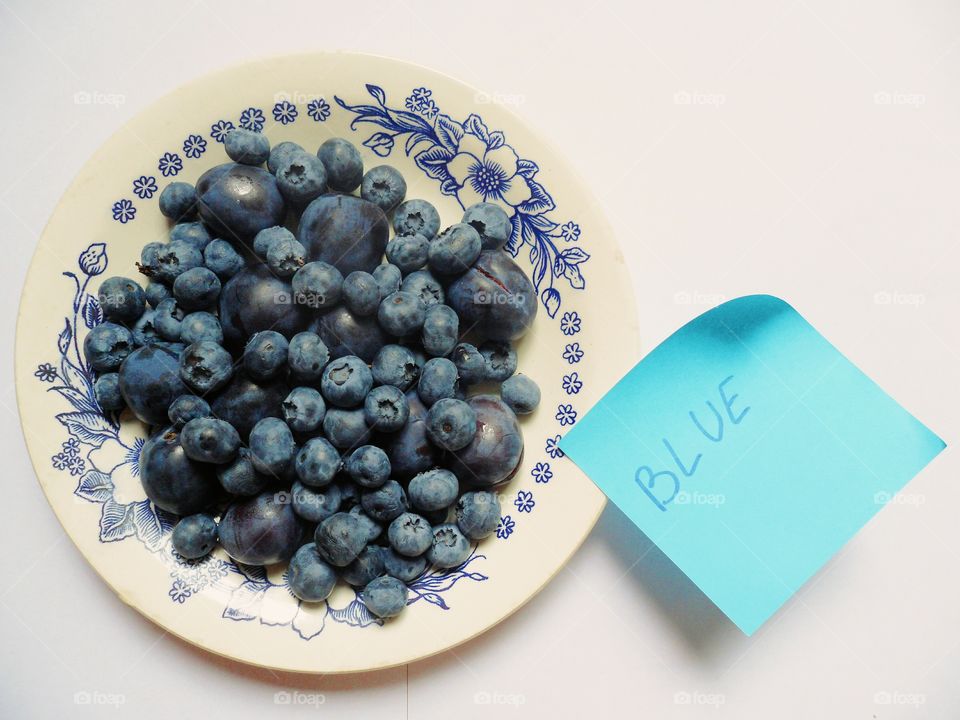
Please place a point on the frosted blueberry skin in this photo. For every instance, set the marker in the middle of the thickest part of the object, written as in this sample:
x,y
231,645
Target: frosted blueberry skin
x,y
265,355
340,539
186,408
344,231
107,392
438,380
156,292
386,409
173,259
495,297
309,577
238,201
317,463
367,566
280,152
307,356
343,164
491,223
451,424
196,289
122,299
500,360
301,178
168,319
441,328
371,528
494,454
408,252
409,450
385,502
171,480
144,332
243,403
210,440
401,314
150,381
345,428
416,217
454,250
521,394
478,514
395,365
404,569
317,285
107,346
205,367
315,504
388,278
272,447
361,294
410,534
194,234
221,257
471,366
385,596
433,490
450,548
240,478
266,237
285,256
261,530
346,382
369,466
194,536
178,200
247,147
255,299
384,186
347,334
425,286
303,409
199,326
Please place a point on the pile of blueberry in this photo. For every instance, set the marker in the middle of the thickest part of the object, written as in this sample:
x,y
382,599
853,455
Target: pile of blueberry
x,y
329,383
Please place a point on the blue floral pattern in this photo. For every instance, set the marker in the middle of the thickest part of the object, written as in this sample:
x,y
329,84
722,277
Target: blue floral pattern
x,y
572,353
284,112
524,501
220,129
572,384
505,527
252,119
145,186
318,109
566,415
194,146
552,447
570,323
124,211
170,164
542,473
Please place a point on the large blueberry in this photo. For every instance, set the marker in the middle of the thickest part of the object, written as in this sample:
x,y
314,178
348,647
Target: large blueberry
x,y
348,232
347,334
150,381
410,451
243,403
262,530
173,481
254,300
238,201
494,297
494,453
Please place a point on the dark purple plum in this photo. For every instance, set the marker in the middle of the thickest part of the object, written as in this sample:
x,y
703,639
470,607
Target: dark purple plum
x,y
255,299
262,530
409,450
347,334
244,403
494,297
238,201
494,454
345,231
173,481
150,381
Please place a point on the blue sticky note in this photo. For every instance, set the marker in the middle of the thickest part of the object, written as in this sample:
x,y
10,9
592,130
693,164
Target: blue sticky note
x,y
749,450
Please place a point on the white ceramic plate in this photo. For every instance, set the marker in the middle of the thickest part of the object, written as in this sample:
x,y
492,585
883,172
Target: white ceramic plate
x,y
450,142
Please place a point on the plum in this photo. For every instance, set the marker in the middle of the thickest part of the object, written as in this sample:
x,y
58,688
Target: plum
x,y
238,201
244,403
494,454
262,530
347,334
171,480
255,299
409,450
345,231
494,297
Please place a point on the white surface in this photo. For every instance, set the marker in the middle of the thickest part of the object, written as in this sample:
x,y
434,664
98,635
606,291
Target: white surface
x,y
785,173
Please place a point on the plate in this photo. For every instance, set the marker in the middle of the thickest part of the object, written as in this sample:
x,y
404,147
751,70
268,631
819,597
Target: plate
x,y
454,146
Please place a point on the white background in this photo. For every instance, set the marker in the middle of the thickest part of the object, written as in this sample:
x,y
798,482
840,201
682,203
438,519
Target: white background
x,y
809,149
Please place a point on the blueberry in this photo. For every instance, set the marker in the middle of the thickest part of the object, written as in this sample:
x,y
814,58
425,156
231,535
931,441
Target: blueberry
x,y
345,428
243,403
478,514
221,257
388,278
240,477
247,147
340,539
350,499
210,440
384,186
309,577
385,408
347,334
370,527
144,331
271,446
317,285
285,256
107,391
425,286
303,409
255,299
168,320
265,356
307,356
107,346
346,382
262,530
238,201
196,289
496,450
404,569
471,367
499,359
205,367
385,596
395,365
301,178
451,424
369,466
361,294
409,450
450,548
194,536
156,292
191,233
401,313
416,216
495,297
315,505
280,152
122,299
454,251
433,490
521,394
385,502
173,259
408,252
200,326
345,231
266,237
150,381
491,223
441,327
343,163
171,480
186,408
148,255
410,535
438,380
178,200
367,566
